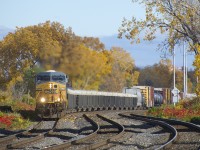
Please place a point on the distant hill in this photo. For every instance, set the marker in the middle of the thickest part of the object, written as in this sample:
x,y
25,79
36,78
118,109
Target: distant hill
x,y
4,31
146,52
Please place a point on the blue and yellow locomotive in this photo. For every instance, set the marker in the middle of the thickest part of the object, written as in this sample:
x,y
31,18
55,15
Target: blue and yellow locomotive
x,y
51,99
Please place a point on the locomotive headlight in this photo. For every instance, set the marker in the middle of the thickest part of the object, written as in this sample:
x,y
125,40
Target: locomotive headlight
x,y
58,99
42,99
50,85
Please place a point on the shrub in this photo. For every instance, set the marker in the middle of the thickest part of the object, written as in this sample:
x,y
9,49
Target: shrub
x,y
5,98
185,110
18,105
13,121
26,98
196,120
5,120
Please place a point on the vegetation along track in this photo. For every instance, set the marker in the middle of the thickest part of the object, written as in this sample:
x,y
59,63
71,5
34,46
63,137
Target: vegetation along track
x,y
188,134
22,139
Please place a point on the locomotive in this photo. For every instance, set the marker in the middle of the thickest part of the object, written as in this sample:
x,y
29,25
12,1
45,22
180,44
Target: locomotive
x,y
51,94
54,98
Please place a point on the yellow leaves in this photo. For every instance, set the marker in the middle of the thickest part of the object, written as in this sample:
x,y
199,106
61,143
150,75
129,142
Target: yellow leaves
x,y
134,32
122,58
161,9
88,67
138,41
122,65
196,63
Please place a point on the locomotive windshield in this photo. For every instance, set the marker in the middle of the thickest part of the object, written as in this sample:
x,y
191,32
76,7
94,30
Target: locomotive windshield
x,y
41,78
51,77
58,78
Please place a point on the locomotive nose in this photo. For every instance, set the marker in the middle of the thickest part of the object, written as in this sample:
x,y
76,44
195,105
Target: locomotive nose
x,y
53,86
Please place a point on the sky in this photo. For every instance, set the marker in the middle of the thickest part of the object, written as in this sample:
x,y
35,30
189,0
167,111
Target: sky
x,y
86,17
96,18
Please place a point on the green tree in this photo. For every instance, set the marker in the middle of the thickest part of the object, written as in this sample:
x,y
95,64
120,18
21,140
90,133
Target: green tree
x,y
178,19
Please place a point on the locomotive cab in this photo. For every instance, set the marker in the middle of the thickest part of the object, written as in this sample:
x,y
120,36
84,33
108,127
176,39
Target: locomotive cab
x,y
50,93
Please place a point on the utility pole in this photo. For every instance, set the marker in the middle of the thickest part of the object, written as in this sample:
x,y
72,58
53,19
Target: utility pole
x,y
186,76
184,70
174,68
175,91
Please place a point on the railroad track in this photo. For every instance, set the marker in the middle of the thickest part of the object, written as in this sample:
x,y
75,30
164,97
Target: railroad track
x,y
102,135
20,140
164,129
106,131
5,141
188,133
67,145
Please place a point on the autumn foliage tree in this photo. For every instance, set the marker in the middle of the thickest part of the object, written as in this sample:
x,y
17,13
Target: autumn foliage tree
x,y
178,19
121,74
50,46
158,75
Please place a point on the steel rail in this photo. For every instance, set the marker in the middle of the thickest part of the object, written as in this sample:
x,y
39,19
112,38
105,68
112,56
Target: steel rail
x,y
174,122
106,141
8,139
75,142
157,122
38,137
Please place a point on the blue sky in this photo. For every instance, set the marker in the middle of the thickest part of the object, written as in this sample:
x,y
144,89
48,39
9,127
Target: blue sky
x,y
97,18
86,17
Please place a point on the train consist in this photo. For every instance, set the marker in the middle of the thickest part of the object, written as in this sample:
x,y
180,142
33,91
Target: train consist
x,y
151,96
54,98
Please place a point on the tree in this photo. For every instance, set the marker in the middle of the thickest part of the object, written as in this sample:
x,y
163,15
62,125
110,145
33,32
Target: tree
x,y
86,68
93,43
179,19
158,75
27,46
122,74
18,52
161,75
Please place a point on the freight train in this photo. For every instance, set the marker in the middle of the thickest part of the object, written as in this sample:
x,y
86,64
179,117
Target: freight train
x,y
54,98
